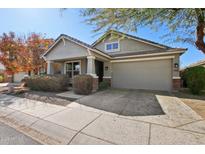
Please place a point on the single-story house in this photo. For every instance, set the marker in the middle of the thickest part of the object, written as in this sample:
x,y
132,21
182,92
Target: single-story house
x,y
199,63
124,60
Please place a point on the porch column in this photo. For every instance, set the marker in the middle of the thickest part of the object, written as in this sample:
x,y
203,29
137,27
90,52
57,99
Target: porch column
x,y
49,67
91,71
91,66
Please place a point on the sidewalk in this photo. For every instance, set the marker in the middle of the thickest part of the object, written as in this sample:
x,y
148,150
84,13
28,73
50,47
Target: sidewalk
x,y
80,124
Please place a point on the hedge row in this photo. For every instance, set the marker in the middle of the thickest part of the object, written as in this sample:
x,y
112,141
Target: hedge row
x,y
48,83
194,79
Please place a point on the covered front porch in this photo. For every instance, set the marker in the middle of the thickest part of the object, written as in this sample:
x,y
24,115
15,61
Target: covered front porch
x,y
91,65
69,56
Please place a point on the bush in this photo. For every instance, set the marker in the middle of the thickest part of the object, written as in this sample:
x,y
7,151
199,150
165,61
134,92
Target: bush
x,y
104,85
83,84
47,83
195,79
1,78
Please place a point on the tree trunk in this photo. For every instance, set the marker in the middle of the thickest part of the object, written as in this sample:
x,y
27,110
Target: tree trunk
x,y
200,44
200,36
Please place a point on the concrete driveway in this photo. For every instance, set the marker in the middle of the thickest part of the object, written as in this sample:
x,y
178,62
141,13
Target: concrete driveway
x,y
107,117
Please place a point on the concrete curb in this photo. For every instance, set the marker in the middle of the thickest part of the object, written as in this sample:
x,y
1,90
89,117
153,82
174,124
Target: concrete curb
x,y
30,132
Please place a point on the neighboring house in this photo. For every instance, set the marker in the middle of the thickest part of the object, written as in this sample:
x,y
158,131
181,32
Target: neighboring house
x,y
17,76
199,63
2,68
125,61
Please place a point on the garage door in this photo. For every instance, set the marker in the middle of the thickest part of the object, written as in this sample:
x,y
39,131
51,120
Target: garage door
x,y
154,75
19,76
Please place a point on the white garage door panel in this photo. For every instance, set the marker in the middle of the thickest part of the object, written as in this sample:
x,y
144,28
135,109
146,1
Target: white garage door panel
x,y
19,76
154,75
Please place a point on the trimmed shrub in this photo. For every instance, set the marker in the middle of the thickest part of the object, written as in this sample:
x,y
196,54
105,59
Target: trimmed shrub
x,y
195,79
1,78
47,82
104,85
83,84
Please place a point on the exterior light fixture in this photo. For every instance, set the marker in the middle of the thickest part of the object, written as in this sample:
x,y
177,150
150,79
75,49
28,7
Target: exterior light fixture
x,y
106,68
176,65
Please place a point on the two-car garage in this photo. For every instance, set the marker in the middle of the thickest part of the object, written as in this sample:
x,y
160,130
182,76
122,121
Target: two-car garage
x,y
149,74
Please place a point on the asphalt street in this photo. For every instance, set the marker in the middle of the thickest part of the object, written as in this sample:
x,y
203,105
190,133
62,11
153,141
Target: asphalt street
x,y
9,136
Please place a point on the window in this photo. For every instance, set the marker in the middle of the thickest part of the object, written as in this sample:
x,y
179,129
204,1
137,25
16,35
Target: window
x,y
115,45
112,46
72,69
109,47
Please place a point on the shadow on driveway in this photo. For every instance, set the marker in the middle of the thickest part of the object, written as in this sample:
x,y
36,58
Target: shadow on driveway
x,y
124,102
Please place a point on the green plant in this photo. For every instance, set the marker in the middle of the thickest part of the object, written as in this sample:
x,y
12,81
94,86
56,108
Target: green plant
x,y
195,79
82,84
182,24
1,78
47,83
104,85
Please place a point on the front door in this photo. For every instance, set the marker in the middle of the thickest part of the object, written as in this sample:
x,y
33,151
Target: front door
x,y
99,69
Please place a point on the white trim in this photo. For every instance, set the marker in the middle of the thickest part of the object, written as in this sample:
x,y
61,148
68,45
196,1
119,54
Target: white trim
x,y
91,57
107,77
89,53
144,55
102,54
142,59
112,50
72,61
64,37
176,77
43,55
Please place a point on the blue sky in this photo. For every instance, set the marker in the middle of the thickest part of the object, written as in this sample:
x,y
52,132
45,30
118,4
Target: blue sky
x,y
52,23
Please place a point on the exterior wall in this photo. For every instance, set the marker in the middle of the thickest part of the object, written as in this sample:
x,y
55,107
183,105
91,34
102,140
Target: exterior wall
x,y
154,75
176,84
126,45
109,80
107,69
176,70
65,51
95,84
83,66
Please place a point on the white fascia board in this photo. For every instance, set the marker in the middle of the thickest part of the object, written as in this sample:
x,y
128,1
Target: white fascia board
x,y
145,55
142,59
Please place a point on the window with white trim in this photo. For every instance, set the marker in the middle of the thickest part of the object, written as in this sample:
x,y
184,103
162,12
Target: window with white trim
x,y
111,47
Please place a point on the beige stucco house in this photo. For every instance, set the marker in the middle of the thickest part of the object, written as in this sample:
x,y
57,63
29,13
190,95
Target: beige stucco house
x,y
124,60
